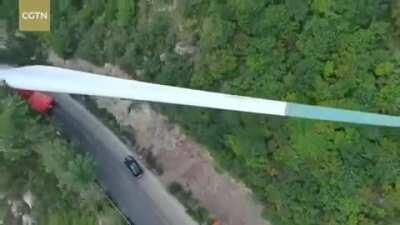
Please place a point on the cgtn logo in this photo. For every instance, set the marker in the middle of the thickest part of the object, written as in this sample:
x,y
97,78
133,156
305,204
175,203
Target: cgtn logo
x,y
34,15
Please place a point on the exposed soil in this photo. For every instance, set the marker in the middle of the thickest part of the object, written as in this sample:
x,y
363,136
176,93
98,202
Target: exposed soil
x,y
182,159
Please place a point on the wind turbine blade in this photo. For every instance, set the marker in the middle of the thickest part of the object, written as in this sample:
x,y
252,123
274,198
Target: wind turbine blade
x,y
53,79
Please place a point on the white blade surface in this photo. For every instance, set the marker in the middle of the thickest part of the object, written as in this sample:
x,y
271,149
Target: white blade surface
x,y
53,79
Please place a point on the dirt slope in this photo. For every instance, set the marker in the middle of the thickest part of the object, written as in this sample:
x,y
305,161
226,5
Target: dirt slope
x,y
182,159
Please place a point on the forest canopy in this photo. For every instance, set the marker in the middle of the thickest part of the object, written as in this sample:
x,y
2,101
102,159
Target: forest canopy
x,y
341,53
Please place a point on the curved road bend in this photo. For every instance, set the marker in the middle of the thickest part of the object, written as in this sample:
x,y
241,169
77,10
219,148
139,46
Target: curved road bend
x,y
145,201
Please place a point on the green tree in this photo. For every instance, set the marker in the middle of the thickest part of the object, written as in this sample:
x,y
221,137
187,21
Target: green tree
x,y
126,12
298,9
216,32
322,6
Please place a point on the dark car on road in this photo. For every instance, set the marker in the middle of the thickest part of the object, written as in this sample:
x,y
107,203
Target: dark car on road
x,y
133,166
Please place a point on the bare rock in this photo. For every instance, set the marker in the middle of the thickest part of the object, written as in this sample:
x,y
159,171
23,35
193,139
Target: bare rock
x,y
16,208
163,57
29,198
28,220
184,48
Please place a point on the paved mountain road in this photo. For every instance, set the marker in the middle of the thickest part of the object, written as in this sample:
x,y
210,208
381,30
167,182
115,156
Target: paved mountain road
x,y
145,201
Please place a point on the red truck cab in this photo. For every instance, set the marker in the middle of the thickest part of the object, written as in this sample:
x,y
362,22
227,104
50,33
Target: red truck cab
x,y
39,101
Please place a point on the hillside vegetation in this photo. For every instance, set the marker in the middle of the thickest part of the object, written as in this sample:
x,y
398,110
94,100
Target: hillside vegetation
x,y
340,53
60,182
